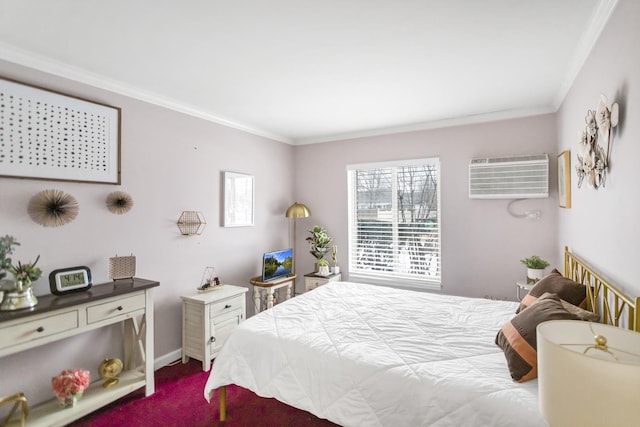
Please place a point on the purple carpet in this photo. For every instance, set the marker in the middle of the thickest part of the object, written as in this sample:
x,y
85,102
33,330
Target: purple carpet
x,y
179,401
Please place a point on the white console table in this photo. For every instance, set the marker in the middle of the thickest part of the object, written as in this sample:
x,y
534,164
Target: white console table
x,y
57,317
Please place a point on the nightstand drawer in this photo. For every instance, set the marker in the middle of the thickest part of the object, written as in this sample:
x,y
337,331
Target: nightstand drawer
x,y
314,283
115,308
38,329
226,306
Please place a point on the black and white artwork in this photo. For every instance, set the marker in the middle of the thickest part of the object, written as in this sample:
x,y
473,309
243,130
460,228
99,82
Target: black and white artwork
x,y
47,135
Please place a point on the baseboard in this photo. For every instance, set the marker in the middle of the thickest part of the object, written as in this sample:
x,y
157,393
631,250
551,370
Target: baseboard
x,y
166,359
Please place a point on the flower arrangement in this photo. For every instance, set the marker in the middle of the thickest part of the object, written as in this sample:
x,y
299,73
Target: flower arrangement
x,y
334,255
26,272
70,383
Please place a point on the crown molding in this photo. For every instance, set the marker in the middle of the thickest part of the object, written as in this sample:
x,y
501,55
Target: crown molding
x,y
594,29
45,64
436,124
48,65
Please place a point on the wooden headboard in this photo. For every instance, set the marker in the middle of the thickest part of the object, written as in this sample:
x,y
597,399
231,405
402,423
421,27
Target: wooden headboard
x,y
614,306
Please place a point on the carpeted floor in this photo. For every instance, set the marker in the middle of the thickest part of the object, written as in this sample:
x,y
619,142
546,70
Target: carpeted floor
x,y
179,401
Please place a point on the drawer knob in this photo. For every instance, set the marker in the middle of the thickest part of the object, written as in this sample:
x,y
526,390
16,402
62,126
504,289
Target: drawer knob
x,y
119,308
227,306
212,339
40,329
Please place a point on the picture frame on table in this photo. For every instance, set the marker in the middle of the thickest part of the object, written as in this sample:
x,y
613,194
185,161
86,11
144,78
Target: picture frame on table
x,y
564,179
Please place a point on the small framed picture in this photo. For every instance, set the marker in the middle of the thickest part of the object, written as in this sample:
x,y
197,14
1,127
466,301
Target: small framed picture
x,y
238,199
564,179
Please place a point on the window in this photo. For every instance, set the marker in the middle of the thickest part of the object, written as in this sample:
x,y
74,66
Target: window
x,y
394,223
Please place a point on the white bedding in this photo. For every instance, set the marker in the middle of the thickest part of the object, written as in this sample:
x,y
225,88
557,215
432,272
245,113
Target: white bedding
x,y
363,355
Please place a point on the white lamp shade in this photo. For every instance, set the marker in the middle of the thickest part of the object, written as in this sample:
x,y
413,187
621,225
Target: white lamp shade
x,y
588,389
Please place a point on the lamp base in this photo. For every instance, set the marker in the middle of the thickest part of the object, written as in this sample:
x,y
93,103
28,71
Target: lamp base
x,y
18,300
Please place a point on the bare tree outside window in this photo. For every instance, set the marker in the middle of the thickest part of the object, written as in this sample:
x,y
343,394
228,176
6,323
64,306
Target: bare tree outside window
x,y
395,220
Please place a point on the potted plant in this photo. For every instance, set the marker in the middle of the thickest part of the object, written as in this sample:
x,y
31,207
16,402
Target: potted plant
x,y
323,267
535,268
319,243
7,244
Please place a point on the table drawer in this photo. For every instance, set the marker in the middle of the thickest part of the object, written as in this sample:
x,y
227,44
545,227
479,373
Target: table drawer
x,y
120,307
314,283
227,305
38,329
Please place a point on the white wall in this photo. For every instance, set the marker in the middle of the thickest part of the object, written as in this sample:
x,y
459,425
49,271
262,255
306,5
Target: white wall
x,y
170,162
481,243
602,225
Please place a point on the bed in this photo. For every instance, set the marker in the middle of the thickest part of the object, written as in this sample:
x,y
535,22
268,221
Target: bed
x,y
357,355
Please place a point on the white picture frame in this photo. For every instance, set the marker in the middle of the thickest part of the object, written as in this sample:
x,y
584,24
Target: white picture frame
x,y
238,199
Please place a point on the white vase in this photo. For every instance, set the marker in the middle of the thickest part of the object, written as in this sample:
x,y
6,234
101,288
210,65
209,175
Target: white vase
x,y
323,270
335,269
534,274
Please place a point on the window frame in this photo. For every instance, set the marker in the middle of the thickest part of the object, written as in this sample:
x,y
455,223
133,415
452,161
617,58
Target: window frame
x,y
394,279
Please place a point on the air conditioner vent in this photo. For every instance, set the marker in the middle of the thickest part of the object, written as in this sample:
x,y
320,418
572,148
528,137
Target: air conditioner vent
x,y
512,177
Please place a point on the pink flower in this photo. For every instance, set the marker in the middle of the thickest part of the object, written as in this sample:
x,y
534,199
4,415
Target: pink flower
x,y
70,382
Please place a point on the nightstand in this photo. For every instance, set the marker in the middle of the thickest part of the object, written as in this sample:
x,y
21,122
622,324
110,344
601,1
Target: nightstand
x,y
208,318
523,286
313,280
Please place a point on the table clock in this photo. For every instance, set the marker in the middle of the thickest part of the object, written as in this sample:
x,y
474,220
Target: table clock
x,y
68,280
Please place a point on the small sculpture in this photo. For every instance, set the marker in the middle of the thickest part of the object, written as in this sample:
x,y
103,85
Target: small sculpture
x,y
119,202
210,280
19,401
52,208
593,158
109,370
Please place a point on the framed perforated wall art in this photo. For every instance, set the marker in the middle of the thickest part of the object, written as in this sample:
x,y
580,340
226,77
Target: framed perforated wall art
x,y
52,136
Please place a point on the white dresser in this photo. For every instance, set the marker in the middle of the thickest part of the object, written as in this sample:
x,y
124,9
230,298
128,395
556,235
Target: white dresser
x,y
58,317
208,318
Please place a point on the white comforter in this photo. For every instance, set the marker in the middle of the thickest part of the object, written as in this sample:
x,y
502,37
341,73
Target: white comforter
x,y
362,355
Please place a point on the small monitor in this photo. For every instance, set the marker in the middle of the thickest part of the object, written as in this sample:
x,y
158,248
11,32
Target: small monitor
x,y
277,264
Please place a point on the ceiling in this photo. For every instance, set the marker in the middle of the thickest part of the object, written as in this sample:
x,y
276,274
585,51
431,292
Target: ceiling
x,y
304,71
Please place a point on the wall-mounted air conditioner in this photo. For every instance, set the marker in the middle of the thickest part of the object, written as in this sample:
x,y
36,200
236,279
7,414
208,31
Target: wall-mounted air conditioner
x,y
514,177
